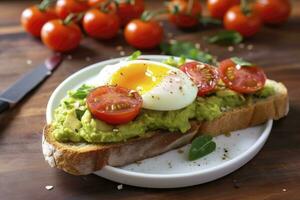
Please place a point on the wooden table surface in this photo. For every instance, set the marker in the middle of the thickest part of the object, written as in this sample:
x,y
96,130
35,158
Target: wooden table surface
x,y
273,174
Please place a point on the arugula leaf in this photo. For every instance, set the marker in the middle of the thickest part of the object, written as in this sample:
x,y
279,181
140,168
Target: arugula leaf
x,y
134,55
226,37
241,62
209,20
81,92
201,146
187,50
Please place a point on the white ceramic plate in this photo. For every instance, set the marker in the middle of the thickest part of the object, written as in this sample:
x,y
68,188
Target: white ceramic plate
x,y
172,169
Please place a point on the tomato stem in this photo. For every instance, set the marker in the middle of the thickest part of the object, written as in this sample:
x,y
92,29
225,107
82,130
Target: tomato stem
x,y
45,4
148,15
245,7
73,16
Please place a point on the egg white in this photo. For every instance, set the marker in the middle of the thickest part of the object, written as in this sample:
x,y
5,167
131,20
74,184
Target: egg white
x,y
175,91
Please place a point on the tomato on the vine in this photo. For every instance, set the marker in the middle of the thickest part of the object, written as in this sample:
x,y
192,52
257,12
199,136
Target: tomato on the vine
x,y
34,17
61,36
65,7
246,24
114,104
130,9
143,33
273,11
100,24
242,79
203,75
184,13
218,8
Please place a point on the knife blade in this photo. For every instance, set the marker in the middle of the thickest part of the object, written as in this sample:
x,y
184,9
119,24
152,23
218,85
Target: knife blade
x,y
29,81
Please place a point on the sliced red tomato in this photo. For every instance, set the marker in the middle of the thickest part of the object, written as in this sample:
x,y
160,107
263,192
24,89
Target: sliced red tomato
x,y
114,104
242,79
204,76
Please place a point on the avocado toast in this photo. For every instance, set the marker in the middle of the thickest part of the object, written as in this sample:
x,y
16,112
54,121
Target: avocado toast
x,y
79,143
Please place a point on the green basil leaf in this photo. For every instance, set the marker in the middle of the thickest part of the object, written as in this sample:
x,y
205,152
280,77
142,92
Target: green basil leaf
x,y
226,37
188,50
175,63
201,146
209,20
241,62
79,113
134,55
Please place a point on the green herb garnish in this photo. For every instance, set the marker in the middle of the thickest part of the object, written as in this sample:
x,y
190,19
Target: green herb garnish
x,y
134,55
175,63
201,146
226,38
188,50
81,92
241,62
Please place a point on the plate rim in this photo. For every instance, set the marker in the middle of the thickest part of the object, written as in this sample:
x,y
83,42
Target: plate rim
x,y
252,151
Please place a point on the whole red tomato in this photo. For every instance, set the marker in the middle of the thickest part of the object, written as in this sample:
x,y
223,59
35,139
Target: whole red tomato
x,y
33,19
128,10
59,36
65,7
218,8
184,15
143,34
273,11
101,25
245,24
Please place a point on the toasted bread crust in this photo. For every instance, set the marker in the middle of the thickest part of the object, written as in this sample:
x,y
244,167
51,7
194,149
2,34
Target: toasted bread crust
x,y
81,159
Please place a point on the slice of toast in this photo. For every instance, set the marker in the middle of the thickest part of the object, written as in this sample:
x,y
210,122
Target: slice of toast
x,y
83,158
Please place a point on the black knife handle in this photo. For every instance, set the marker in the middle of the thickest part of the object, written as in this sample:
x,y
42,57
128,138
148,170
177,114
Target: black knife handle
x,y
4,105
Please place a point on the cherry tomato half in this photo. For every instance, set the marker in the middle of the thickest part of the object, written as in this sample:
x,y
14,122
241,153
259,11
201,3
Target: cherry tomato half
x,y
101,25
60,37
218,8
65,7
114,104
143,34
183,16
247,79
273,11
204,76
247,25
33,19
128,10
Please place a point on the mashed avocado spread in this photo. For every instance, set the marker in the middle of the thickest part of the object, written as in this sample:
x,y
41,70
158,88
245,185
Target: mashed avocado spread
x,y
74,123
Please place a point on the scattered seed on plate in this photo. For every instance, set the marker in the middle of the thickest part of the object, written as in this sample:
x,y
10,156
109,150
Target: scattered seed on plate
x,y
120,187
29,62
284,190
122,53
119,48
87,59
69,57
49,187
250,47
242,45
230,48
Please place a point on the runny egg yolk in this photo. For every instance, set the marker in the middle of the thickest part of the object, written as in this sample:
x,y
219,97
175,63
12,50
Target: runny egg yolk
x,y
141,77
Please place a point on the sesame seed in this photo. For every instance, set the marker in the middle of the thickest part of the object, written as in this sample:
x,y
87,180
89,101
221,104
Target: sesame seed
x,y
250,47
284,190
119,48
230,48
69,57
87,59
49,187
29,62
120,187
122,53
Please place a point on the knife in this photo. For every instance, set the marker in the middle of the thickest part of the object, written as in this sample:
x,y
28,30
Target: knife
x,y
29,81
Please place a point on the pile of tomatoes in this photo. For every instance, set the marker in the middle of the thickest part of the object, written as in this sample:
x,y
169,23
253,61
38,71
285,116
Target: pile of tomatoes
x,y
60,26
